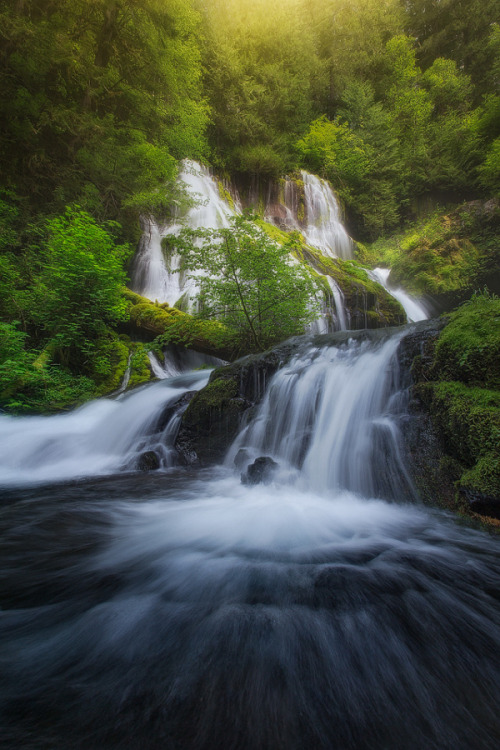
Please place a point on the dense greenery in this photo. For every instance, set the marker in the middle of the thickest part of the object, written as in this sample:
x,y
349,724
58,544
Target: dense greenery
x,y
250,283
394,102
451,253
461,386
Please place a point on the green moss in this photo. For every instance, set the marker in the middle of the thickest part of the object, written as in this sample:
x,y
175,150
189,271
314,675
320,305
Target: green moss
x,y
173,326
459,381
442,253
140,366
469,347
273,232
110,363
484,477
224,194
469,421
216,396
378,307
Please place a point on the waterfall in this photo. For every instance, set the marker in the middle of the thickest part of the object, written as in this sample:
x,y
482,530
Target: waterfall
x,y
329,414
323,226
177,361
158,275
413,308
184,609
342,312
102,437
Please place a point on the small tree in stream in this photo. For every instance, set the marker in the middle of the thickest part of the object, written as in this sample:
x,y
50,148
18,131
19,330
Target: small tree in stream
x,y
249,282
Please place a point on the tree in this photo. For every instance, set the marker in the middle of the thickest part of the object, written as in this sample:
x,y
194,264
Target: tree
x,y
100,97
78,290
249,283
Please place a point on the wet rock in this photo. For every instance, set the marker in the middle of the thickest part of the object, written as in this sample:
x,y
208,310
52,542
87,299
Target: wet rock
x,y
148,461
260,472
479,502
241,458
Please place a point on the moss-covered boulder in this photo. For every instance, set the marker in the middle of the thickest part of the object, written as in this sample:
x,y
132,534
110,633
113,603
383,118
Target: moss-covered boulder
x,y
446,256
368,303
456,385
214,416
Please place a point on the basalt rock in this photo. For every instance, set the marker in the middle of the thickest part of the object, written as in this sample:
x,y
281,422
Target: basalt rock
x,y
148,461
217,412
260,472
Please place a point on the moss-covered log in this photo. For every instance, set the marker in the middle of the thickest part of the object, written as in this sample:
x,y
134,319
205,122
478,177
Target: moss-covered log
x,y
175,327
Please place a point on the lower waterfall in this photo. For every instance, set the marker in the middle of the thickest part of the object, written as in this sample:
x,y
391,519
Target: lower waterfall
x,y
182,609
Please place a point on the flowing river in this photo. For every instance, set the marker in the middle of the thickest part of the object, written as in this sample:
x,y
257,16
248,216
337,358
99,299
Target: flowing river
x,y
182,609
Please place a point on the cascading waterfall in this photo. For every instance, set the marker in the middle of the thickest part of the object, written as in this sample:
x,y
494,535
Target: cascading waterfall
x,y
323,225
177,360
153,275
102,437
413,308
187,610
328,412
342,313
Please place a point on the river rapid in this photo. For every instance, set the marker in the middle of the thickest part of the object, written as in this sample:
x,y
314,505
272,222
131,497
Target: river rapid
x,y
182,609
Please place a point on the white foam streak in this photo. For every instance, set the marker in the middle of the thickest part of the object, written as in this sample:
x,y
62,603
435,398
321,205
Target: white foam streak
x,y
323,227
414,309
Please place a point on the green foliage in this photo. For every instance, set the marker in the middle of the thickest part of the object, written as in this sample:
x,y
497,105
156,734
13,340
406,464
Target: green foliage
x,y
333,150
172,326
29,383
78,289
99,97
249,283
261,76
469,418
460,31
489,171
462,388
442,253
469,347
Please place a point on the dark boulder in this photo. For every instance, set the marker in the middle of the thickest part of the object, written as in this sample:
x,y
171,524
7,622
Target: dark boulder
x,y
260,472
148,461
241,458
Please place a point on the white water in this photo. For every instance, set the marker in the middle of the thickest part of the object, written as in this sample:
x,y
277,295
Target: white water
x,y
329,413
158,276
323,225
413,308
194,612
340,308
102,437
177,361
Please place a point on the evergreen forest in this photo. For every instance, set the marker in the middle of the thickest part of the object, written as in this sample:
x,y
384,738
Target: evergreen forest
x,y
396,103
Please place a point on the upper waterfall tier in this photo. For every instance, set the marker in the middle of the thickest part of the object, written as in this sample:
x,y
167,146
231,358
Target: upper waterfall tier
x,y
313,209
159,277
323,228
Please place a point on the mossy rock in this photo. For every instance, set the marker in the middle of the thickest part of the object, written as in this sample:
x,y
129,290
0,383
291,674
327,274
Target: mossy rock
x,y
457,381
444,255
212,420
369,305
469,347
110,362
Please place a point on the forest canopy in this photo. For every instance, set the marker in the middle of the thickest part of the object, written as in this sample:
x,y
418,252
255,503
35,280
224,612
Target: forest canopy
x,y
393,101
